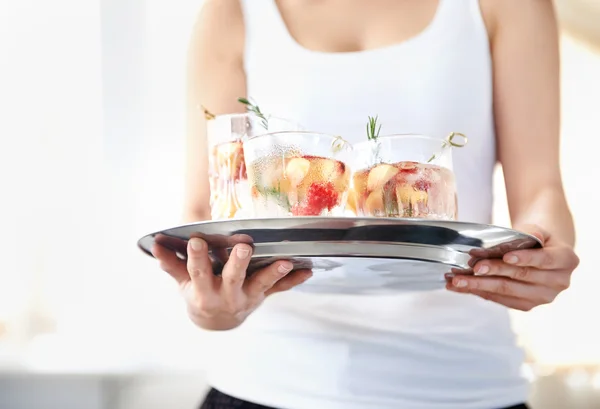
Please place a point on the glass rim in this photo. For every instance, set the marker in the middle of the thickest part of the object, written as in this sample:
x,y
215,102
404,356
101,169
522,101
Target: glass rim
x,y
301,132
399,136
247,115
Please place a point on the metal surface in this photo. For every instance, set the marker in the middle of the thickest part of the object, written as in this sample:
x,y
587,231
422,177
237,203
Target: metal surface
x,y
353,255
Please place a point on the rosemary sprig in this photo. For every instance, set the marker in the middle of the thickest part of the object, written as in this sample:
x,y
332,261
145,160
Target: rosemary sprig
x,y
338,144
276,193
372,128
449,141
207,114
252,107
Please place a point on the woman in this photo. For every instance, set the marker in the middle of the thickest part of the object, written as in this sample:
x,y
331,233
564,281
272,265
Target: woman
x,y
487,68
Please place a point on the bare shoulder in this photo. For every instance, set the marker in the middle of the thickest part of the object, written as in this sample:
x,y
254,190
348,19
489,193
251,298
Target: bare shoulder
x,y
216,75
517,15
219,30
215,80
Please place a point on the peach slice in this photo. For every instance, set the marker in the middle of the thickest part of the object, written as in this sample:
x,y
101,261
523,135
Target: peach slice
x,y
380,175
406,194
228,151
296,170
351,203
225,207
374,204
270,174
331,169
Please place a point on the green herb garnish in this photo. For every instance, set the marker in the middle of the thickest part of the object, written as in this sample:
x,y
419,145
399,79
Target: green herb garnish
x,y
207,114
252,107
275,193
372,128
449,141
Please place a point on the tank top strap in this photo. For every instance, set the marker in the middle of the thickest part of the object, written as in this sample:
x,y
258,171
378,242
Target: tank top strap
x,y
459,15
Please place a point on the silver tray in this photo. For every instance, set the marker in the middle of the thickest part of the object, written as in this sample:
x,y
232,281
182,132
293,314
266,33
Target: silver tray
x,y
352,255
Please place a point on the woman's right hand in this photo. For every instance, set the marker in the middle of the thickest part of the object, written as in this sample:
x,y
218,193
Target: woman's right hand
x,y
222,303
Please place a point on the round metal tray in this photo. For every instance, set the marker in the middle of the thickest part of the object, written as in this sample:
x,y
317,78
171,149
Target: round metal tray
x,y
352,255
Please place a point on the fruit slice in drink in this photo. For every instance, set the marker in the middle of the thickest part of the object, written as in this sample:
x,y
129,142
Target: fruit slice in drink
x,y
296,174
298,186
406,175
227,179
230,193
406,189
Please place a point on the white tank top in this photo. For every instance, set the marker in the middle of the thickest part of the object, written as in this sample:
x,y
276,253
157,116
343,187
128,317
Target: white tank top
x,y
433,350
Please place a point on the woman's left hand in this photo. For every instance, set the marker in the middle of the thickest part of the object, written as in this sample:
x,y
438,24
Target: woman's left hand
x,y
522,279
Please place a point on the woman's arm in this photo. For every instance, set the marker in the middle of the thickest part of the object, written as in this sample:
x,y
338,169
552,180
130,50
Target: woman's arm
x,y
524,42
215,80
527,111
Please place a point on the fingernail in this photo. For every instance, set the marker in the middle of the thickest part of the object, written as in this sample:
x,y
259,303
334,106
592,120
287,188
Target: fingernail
x,y
284,268
449,275
242,252
511,260
460,283
196,244
482,270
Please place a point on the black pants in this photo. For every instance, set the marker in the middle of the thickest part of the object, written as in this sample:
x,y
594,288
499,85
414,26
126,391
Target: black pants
x,y
218,400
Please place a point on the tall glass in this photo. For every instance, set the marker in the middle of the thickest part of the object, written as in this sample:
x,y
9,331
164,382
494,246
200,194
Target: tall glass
x,y
405,176
297,174
230,194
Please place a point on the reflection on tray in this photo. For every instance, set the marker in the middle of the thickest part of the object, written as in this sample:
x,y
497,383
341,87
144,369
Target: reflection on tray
x,y
430,235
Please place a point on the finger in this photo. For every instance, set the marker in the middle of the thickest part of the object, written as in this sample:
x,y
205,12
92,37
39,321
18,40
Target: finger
x,y
220,244
239,239
290,281
507,301
199,267
234,272
262,280
555,279
170,263
171,243
551,258
500,268
506,287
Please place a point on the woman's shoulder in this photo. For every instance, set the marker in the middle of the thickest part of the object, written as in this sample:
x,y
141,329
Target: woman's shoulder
x,y
219,28
505,13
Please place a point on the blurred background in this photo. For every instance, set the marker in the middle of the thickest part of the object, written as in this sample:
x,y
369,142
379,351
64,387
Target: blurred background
x,y
92,127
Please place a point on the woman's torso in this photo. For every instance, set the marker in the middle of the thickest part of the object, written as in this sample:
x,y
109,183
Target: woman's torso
x,y
435,350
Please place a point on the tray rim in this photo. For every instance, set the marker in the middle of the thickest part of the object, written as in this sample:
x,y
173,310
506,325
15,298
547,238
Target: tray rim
x,y
364,221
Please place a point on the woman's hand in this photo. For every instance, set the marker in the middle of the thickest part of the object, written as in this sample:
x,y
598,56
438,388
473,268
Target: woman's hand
x,y
523,279
222,303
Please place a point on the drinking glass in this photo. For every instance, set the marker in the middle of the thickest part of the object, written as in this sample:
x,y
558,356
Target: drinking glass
x,y
407,175
230,194
297,174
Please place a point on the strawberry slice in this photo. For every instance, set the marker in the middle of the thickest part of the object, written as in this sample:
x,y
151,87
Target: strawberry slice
x,y
408,167
319,197
422,185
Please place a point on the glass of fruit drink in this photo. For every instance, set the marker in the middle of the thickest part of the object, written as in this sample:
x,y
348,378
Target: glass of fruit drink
x,y
405,176
297,174
230,194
